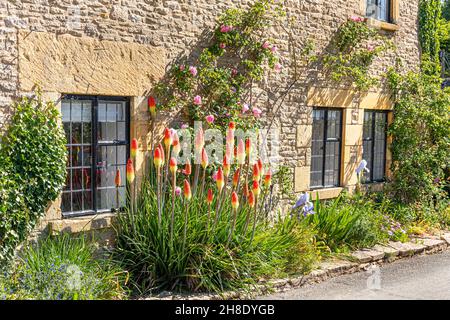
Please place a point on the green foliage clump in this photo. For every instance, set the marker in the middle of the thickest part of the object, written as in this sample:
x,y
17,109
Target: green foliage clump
x,y
420,131
224,72
429,28
32,170
200,255
348,223
352,52
62,268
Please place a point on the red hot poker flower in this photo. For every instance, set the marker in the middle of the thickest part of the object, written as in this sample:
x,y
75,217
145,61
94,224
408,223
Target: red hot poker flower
x,y
167,138
220,180
226,166
152,106
173,165
117,179
187,168
236,178
210,196
251,200
205,160
256,172
255,188
134,147
158,157
130,171
187,190
234,200
268,178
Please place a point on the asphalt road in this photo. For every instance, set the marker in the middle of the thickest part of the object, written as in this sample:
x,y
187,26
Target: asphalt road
x,y
420,277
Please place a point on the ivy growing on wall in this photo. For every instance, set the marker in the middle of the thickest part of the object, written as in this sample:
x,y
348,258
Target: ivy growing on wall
x,y
219,84
429,25
352,51
32,170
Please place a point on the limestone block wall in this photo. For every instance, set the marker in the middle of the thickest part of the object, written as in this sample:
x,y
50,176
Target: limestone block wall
x,y
122,47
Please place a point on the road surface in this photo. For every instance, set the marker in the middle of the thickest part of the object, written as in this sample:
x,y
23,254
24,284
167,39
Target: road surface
x,y
420,277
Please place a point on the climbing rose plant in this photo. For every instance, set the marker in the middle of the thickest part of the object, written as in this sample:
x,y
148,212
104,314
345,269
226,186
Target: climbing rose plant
x,y
217,87
352,51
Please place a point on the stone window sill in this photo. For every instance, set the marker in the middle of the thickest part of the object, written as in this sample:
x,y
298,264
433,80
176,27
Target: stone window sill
x,y
82,224
327,193
382,25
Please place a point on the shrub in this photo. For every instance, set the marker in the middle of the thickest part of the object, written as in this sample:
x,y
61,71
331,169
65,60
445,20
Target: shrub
x,y
348,223
32,170
215,237
62,268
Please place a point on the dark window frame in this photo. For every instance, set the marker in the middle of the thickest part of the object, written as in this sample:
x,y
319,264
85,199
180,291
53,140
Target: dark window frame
x,y
95,144
377,13
324,148
372,139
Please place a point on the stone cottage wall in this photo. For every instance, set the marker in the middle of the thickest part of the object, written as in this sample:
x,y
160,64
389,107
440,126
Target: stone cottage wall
x,y
121,47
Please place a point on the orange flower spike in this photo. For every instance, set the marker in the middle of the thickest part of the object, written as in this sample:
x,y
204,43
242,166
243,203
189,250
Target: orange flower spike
x,y
158,158
117,179
234,200
220,180
152,106
236,178
210,196
255,189
268,178
205,160
134,147
248,146
240,152
251,200
230,137
187,168
187,190
260,166
245,190
256,172
161,149
199,142
226,166
173,165
130,171
176,147
167,138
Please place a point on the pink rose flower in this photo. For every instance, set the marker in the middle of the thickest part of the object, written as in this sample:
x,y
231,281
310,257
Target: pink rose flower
x,y
256,112
197,100
222,45
177,191
274,49
356,19
193,70
277,67
225,28
210,119
245,108
266,45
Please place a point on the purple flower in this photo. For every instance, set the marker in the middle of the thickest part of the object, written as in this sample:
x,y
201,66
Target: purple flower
x,y
177,191
274,49
233,89
302,200
245,108
184,126
308,209
197,100
193,70
362,166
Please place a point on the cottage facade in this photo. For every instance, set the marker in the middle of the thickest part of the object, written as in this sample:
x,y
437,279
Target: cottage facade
x,y
99,60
